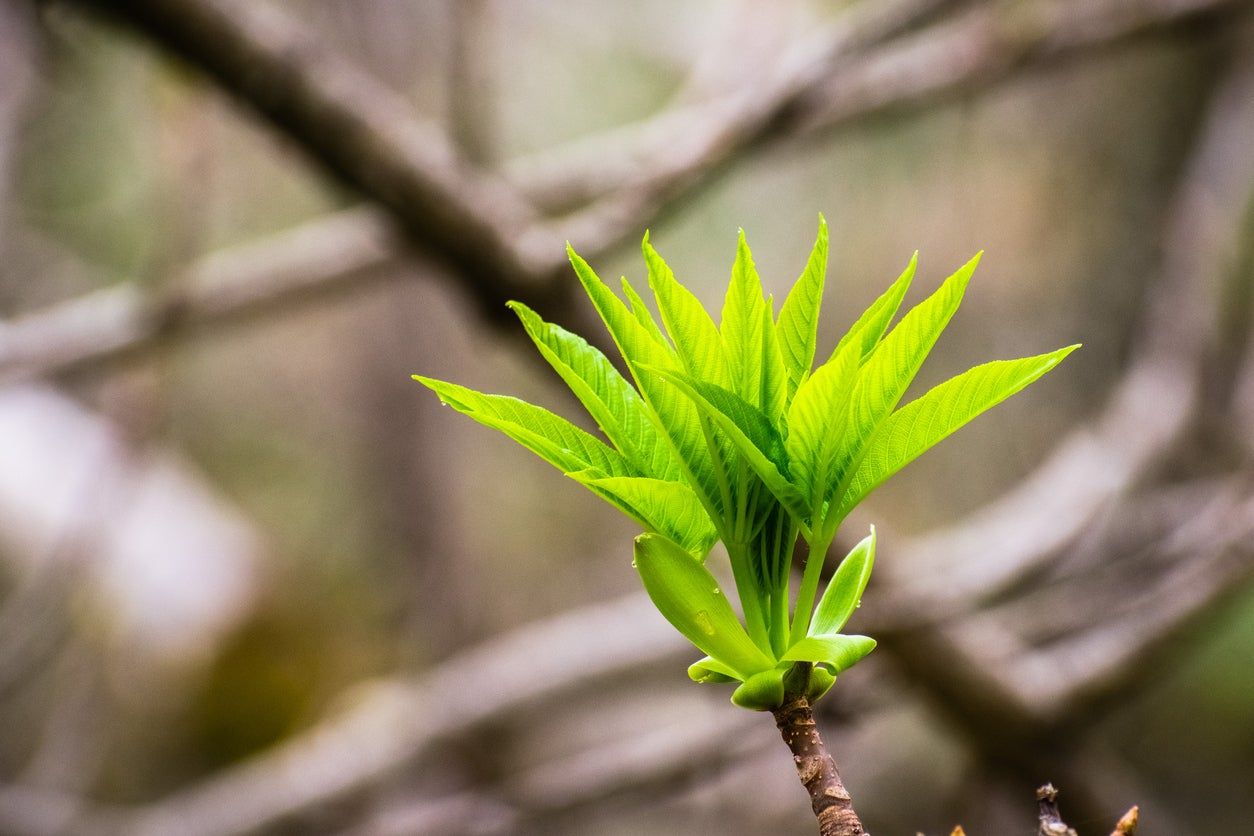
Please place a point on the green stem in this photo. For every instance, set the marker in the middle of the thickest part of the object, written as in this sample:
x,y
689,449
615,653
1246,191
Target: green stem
x,y
809,588
785,537
779,621
749,594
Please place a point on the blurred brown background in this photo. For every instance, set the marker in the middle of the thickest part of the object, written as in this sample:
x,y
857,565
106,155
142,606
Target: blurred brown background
x,y
254,579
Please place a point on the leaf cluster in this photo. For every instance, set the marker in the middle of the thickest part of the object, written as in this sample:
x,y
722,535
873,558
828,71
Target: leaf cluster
x,y
730,432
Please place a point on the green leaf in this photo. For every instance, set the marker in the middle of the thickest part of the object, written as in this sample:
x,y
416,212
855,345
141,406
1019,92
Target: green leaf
x,y
741,328
640,310
709,669
773,390
891,367
816,424
917,426
674,414
799,318
845,589
866,332
668,508
549,436
749,430
611,401
840,652
688,596
693,333
821,681
761,692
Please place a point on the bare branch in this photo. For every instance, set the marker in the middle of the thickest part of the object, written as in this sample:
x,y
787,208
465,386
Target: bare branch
x,y
364,134
982,47
395,724
682,136
1159,393
115,323
304,263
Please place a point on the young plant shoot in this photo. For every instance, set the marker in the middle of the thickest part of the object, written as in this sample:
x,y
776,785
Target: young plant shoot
x,y
731,433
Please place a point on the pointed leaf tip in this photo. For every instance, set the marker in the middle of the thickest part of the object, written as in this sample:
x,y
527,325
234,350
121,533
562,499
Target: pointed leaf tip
x,y
846,587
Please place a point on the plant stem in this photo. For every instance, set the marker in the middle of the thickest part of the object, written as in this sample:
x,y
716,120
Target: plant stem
x,y
809,588
828,797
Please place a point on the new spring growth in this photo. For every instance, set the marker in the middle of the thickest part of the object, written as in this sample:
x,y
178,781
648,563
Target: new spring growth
x,y
730,432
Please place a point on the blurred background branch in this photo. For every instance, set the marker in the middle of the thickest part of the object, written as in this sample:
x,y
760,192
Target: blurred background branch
x,y
1023,631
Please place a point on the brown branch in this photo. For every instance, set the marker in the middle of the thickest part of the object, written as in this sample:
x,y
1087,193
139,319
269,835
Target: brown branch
x,y
687,134
816,769
365,135
982,47
302,264
1049,816
398,723
322,103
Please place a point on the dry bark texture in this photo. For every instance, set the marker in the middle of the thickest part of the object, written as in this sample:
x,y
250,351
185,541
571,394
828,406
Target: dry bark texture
x,y
817,770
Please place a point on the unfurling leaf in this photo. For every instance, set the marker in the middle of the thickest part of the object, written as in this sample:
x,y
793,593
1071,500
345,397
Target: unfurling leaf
x,y
799,317
709,669
729,431
838,652
845,589
866,332
816,424
689,597
762,691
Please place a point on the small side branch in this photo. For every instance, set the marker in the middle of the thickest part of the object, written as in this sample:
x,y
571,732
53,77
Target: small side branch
x,y
817,770
1051,823
1049,815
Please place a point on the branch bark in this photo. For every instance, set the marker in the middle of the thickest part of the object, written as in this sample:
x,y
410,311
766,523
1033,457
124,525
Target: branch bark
x,y
816,768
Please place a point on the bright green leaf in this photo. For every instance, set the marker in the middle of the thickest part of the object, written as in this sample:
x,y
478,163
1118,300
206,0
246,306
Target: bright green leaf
x,y
821,681
741,327
749,430
689,597
773,388
799,318
761,692
640,310
887,374
816,422
611,401
845,589
866,332
668,508
917,426
549,436
674,414
709,669
693,333
840,652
